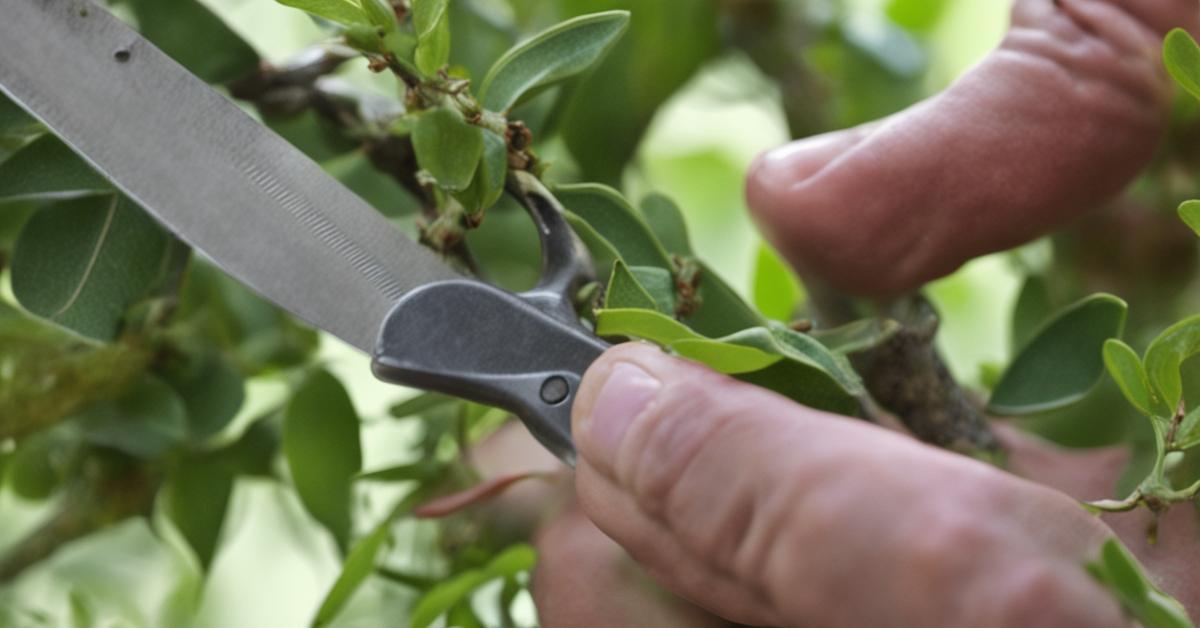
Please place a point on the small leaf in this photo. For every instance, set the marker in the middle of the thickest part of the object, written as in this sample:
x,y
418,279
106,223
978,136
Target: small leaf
x,y
48,169
659,284
420,404
1167,354
83,263
643,324
604,253
488,184
380,13
611,216
431,21
323,452
1182,58
448,147
776,290
1063,361
197,497
722,310
420,471
16,126
144,422
1189,430
445,596
360,563
1031,311
1124,573
35,469
1126,369
345,12
624,291
1190,213
724,357
555,55
667,222
212,390
857,336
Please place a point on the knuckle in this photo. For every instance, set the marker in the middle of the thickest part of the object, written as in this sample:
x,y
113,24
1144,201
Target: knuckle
x,y
673,433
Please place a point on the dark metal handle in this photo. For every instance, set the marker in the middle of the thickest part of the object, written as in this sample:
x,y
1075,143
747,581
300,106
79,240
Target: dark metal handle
x,y
478,342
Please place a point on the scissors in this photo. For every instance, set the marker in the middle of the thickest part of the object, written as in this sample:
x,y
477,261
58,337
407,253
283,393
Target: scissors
x,y
272,218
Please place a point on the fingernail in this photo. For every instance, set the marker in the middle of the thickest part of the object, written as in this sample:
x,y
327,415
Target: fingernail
x,y
624,396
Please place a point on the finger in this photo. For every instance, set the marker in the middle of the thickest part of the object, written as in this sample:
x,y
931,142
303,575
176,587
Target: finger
x,y
763,511
1057,120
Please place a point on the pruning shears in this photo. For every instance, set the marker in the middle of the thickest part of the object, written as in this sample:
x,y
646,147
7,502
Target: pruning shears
x,y
273,219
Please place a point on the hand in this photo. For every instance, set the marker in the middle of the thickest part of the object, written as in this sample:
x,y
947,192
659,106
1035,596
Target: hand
x,y
1052,124
766,512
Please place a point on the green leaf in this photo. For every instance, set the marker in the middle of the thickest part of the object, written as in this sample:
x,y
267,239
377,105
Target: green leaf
x,y
725,357
197,497
445,596
488,183
212,390
1126,369
83,263
659,284
1167,353
448,147
380,13
36,469
776,290
1124,573
722,310
667,222
1063,361
612,106
555,55
323,452
643,324
48,169
743,352
857,336
256,335
16,126
624,291
344,12
1190,213
1182,58
1189,430
611,217
420,404
431,21
1163,611
604,254
1031,311
195,37
916,15
359,564
420,471
145,421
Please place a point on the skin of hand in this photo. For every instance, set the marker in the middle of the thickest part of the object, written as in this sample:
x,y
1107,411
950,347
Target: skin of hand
x,y
769,513
1053,123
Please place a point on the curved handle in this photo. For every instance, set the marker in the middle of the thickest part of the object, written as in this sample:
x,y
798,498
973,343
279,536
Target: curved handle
x,y
478,342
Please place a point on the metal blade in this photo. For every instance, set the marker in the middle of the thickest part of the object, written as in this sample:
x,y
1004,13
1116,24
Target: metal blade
x,y
220,180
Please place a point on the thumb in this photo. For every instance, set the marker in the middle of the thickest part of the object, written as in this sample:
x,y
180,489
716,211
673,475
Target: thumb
x,y
692,472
